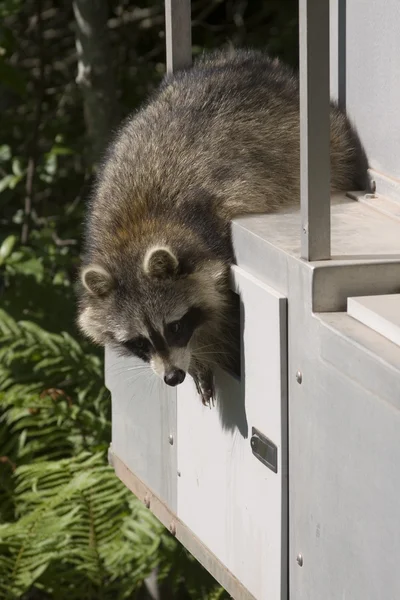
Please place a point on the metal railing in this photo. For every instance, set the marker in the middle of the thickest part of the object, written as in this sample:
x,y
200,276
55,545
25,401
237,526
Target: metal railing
x,y
314,112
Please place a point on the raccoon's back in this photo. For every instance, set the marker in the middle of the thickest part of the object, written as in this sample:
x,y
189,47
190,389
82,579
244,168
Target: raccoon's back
x,y
224,132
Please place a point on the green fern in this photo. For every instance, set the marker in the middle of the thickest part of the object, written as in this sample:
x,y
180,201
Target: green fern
x,y
68,527
76,513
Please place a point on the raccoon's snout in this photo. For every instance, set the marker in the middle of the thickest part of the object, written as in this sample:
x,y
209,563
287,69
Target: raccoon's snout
x,y
174,377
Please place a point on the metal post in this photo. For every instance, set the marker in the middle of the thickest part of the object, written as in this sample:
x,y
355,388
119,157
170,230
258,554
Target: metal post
x,y
314,130
338,51
178,34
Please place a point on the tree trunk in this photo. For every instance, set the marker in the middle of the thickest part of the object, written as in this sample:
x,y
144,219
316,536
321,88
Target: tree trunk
x,y
95,72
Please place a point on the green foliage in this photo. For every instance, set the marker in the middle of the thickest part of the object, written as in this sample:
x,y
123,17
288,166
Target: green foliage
x,y
78,529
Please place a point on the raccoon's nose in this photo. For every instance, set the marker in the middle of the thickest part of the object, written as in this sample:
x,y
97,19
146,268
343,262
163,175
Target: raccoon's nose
x,y
174,377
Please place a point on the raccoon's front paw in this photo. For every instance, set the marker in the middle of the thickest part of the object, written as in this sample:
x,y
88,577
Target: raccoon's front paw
x,y
208,396
205,387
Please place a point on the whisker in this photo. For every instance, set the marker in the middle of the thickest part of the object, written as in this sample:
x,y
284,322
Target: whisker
x,y
204,347
128,369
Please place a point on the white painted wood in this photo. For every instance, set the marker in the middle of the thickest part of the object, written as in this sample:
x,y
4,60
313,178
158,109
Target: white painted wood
x,y
233,503
380,313
143,418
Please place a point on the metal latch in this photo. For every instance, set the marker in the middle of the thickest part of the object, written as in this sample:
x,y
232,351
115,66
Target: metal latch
x,y
265,450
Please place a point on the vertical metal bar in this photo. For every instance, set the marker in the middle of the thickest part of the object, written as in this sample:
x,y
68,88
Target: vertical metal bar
x,y
314,130
178,34
342,38
338,32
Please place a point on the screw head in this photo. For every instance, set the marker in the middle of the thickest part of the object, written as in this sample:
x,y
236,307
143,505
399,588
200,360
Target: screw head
x,y
300,560
299,377
172,528
171,439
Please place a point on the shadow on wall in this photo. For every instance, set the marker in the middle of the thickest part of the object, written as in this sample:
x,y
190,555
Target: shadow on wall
x,y
231,401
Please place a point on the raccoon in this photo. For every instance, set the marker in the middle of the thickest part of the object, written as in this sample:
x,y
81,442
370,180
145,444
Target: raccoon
x,y
217,141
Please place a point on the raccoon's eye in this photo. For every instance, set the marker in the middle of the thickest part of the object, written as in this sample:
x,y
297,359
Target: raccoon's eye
x,y
179,332
138,345
175,327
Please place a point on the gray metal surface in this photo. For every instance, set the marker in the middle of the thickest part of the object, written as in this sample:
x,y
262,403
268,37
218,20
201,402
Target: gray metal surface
x,y
220,475
143,419
365,252
344,453
314,129
373,80
178,34
344,413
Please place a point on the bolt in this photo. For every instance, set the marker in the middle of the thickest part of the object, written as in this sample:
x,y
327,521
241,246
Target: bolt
x,y
147,501
171,439
300,560
178,473
299,377
172,528
373,186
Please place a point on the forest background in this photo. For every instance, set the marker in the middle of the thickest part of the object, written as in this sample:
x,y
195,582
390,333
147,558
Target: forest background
x,y
69,72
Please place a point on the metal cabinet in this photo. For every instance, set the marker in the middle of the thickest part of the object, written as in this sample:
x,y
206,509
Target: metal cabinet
x,y
222,473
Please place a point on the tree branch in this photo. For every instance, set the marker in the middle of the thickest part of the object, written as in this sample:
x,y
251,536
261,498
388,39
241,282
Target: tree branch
x,y
95,71
33,146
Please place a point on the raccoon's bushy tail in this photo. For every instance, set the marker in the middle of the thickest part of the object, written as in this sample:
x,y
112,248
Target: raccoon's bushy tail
x,y
349,163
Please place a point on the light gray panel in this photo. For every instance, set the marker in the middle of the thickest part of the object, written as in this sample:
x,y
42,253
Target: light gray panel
x,y
245,501
143,419
344,453
181,531
373,79
373,363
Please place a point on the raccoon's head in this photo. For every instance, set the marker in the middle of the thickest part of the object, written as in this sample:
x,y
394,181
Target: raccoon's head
x,y
154,307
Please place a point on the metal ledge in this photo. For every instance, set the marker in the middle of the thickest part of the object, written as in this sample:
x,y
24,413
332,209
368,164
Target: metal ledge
x,y
365,253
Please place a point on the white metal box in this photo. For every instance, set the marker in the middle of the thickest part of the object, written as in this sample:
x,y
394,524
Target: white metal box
x,y
200,462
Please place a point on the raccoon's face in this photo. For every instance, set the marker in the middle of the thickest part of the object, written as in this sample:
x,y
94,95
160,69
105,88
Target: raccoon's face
x,y
156,311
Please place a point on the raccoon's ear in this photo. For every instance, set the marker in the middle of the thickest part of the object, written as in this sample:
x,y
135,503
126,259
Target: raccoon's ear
x,y
160,262
97,280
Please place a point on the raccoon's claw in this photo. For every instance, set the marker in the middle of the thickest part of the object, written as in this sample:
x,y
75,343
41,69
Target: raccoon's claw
x,y
207,392
205,388
207,398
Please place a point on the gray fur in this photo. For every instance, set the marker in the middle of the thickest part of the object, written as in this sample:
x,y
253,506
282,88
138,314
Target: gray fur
x,y
215,142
